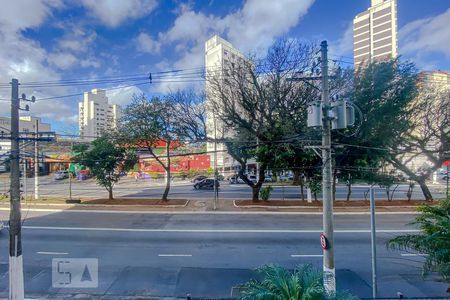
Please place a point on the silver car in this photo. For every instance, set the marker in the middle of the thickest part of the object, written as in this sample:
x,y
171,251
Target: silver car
x,y
61,175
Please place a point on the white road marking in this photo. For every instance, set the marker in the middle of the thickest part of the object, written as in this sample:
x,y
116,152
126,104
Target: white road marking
x,y
174,255
413,254
69,210
216,230
52,253
306,255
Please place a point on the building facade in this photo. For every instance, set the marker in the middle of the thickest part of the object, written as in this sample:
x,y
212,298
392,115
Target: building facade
x,y
218,54
96,115
27,124
375,33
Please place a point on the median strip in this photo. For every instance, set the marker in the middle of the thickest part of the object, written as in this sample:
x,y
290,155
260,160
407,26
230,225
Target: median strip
x,y
413,254
175,255
52,253
306,255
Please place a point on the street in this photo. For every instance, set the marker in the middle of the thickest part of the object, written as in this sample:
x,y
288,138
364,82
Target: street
x,y
128,187
206,254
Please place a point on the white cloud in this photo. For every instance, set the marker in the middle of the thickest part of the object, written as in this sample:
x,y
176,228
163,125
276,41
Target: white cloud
x,y
22,14
423,37
26,60
114,12
259,22
344,45
145,43
76,38
251,29
61,60
122,96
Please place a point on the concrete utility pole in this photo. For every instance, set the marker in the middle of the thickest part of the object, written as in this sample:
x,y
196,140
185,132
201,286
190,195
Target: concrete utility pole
x,y
329,274
36,161
16,288
216,194
373,240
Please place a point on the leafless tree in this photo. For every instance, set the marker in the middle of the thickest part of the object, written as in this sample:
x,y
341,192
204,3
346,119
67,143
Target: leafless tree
x,y
256,97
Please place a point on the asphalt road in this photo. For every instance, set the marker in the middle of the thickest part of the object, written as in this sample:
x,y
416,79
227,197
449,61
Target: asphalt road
x,y
206,254
127,187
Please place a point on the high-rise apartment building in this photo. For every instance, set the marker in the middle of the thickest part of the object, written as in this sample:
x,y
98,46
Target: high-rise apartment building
x,y
96,115
218,54
375,33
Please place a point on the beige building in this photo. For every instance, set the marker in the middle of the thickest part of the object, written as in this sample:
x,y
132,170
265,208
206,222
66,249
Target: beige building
x,y
375,32
26,124
218,54
96,115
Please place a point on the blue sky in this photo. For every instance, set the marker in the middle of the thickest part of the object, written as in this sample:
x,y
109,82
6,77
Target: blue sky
x,y
52,40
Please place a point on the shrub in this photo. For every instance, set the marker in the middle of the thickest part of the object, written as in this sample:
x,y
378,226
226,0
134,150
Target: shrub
x,y
265,193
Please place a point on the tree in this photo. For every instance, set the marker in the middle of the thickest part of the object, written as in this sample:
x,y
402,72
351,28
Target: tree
x,y
106,160
257,98
383,93
305,283
433,240
428,135
171,120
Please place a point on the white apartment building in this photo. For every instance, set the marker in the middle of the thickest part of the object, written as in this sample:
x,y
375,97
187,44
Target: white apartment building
x,y
96,115
375,32
218,53
26,124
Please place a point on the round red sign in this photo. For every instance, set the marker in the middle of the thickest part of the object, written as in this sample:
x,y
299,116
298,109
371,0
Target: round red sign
x,y
446,163
323,241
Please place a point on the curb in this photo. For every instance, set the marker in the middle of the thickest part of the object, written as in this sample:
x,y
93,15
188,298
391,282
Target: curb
x,y
320,207
25,206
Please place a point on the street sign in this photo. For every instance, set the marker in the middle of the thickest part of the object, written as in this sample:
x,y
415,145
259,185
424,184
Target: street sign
x,y
446,163
323,241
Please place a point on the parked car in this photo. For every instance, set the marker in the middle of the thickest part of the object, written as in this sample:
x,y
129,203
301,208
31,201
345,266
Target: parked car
x,y
253,178
2,168
444,176
268,178
61,175
206,184
198,178
235,179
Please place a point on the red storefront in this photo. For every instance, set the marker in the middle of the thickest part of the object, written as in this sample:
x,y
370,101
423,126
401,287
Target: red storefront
x,y
178,163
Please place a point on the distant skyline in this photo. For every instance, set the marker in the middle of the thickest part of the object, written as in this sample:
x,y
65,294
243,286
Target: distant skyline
x,y
53,40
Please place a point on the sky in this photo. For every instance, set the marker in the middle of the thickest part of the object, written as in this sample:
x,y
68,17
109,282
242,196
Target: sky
x,y
57,41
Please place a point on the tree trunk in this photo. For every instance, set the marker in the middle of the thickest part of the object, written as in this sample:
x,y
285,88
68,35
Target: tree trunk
x,y
110,194
166,191
425,190
167,169
349,190
302,186
296,180
255,193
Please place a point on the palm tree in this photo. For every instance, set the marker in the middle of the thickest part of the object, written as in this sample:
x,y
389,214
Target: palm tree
x,y
305,283
433,240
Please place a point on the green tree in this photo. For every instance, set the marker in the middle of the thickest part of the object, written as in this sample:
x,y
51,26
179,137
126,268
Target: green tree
x,y
170,120
433,240
383,93
106,160
305,283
